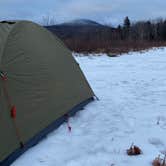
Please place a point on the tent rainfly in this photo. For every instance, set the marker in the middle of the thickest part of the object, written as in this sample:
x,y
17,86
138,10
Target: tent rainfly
x,y
40,85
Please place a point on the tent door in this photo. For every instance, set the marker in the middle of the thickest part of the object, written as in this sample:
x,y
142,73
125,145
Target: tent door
x,y
8,139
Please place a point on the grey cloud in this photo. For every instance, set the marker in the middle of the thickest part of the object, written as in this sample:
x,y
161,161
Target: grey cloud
x,y
112,11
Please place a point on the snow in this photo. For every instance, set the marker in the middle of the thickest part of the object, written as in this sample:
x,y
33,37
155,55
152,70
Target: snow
x,y
131,109
81,22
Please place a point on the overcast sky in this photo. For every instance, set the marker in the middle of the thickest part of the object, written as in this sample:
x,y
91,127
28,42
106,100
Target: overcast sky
x,y
105,11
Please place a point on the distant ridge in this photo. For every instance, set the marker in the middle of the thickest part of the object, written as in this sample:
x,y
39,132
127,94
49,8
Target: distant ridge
x,y
78,28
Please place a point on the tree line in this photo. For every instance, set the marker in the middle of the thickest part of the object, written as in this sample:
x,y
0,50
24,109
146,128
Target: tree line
x,y
123,38
142,30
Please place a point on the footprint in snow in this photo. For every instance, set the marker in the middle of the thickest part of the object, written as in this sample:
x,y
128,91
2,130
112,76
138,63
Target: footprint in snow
x,y
158,144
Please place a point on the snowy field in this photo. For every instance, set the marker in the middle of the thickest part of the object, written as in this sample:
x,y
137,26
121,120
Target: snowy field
x,y
132,93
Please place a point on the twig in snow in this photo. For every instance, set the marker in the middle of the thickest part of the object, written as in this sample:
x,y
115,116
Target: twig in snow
x,y
159,161
158,120
134,150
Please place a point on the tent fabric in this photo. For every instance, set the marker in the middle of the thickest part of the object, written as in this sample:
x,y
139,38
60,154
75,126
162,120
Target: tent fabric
x,y
43,81
5,29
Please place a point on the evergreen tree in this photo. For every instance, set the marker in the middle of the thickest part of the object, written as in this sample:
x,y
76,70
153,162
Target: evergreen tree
x,y
127,23
126,28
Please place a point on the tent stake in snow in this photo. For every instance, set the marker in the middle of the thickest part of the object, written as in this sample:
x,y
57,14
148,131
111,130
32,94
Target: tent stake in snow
x,y
67,121
96,98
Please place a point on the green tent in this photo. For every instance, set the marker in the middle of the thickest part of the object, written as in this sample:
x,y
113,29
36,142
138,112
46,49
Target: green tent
x,y
40,85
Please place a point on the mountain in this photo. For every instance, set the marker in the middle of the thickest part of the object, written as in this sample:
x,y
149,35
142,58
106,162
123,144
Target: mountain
x,y
78,29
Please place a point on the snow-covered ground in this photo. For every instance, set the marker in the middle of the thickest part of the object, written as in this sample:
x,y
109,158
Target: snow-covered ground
x,y
132,92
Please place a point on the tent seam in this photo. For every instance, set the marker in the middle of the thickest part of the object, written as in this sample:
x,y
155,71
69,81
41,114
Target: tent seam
x,y
6,40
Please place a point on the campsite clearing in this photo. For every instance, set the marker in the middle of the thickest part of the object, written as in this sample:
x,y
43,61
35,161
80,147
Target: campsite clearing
x,y
132,109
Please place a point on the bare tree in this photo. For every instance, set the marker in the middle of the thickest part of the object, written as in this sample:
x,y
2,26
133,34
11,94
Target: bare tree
x,y
48,20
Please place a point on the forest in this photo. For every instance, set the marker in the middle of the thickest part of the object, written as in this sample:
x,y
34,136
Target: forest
x,y
129,36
